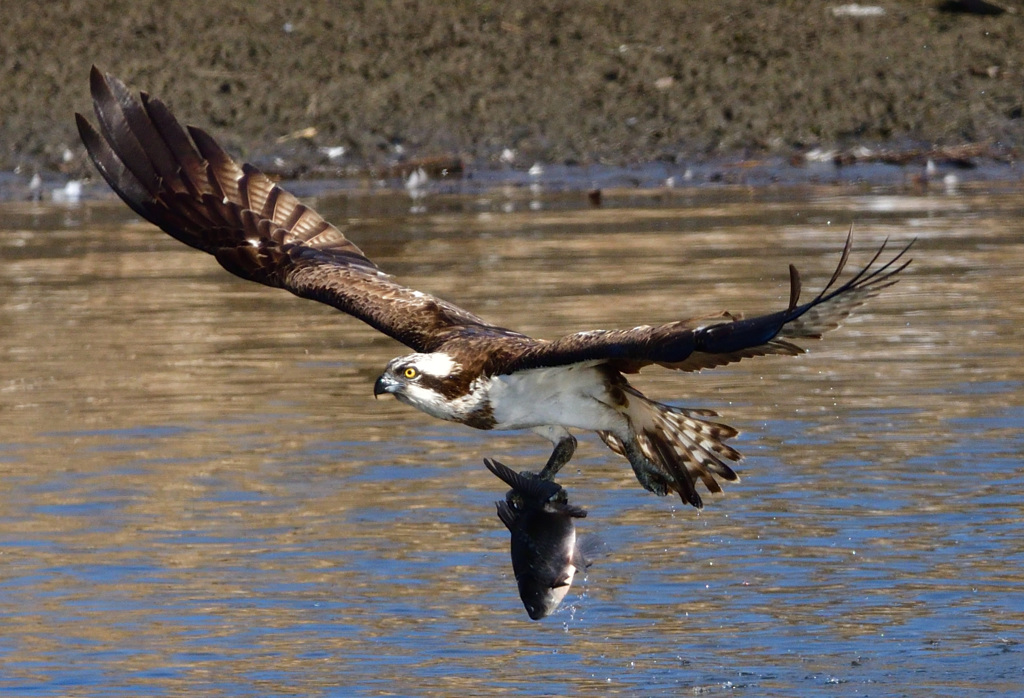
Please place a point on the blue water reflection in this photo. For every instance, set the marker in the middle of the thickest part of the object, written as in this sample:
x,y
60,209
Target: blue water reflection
x,y
224,509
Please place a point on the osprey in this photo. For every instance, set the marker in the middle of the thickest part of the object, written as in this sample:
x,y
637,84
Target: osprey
x,y
463,369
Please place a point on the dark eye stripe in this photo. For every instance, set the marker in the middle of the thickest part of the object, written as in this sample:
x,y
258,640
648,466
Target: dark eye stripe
x,y
448,388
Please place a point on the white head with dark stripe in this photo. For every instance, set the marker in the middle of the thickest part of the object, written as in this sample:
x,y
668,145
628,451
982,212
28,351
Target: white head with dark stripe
x,y
429,382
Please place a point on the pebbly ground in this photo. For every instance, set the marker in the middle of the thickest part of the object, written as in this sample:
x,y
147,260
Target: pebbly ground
x,y
572,82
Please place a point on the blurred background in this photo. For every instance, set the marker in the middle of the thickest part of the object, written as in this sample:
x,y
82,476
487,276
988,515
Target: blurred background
x,y
319,87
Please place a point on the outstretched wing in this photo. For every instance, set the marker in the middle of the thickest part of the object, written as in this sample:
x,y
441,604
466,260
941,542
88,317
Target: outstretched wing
x,y
187,185
687,346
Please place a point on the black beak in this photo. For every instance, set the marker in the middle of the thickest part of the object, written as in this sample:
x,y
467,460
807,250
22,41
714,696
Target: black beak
x,y
381,386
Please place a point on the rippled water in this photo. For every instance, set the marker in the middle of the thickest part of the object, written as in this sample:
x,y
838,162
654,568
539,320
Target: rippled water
x,y
199,494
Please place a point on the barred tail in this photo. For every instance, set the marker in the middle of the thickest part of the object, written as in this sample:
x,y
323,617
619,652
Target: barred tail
x,y
673,447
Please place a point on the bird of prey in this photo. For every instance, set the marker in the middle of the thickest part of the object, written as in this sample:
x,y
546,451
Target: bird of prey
x,y
463,368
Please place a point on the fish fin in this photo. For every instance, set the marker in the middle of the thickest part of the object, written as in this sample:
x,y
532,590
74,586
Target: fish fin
x,y
507,516
589,547
528,485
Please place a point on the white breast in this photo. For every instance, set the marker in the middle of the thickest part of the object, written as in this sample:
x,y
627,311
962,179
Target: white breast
x,y
570,396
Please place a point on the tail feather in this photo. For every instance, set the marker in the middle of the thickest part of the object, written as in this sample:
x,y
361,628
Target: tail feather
x,y
681,443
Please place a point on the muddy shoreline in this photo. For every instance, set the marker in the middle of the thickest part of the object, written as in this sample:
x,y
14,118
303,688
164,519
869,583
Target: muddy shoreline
x,y
313,91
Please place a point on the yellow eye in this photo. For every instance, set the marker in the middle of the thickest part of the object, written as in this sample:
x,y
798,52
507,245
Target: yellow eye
x,y
411,372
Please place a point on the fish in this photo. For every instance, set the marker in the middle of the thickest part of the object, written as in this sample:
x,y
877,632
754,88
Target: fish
x,y
546,553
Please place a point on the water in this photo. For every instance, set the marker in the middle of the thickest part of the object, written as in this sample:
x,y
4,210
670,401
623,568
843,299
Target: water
x,y
200,496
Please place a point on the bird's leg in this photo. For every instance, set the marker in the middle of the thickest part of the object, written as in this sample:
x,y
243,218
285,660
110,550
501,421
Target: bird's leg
x,y
658,479
562,453
648,474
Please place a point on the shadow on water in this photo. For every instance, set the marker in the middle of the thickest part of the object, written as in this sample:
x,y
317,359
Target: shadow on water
x,y
199,493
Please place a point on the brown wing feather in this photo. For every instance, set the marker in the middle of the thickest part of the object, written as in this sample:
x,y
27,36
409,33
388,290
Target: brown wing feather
x,y
681,346
185,183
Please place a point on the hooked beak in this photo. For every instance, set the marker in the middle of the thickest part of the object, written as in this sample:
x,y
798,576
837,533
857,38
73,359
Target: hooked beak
x,y
384,384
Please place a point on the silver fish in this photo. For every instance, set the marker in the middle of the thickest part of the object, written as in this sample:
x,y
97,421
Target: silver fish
x,y
545,550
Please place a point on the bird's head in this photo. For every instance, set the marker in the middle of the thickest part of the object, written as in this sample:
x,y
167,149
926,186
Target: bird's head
x,y
429,382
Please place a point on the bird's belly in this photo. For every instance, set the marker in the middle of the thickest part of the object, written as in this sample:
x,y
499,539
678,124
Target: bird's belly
x,y
569,396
